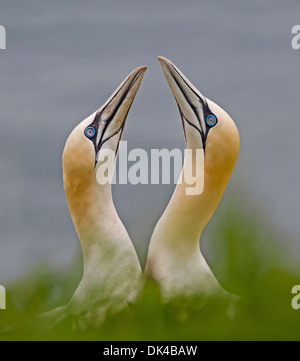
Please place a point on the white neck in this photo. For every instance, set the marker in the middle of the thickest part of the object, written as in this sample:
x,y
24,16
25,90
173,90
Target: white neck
x,y
174,257
111,267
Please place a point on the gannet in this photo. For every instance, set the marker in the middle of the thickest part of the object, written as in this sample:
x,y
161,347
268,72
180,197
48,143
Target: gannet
x,y
111,273
174,258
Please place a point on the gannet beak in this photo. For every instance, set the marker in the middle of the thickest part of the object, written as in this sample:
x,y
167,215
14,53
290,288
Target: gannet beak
x,y
110,118
192,104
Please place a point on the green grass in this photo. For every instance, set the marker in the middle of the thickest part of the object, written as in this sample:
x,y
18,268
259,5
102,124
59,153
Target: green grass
x,y
248,259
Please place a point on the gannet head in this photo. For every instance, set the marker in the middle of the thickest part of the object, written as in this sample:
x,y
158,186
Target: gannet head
x,y
101,130
206,125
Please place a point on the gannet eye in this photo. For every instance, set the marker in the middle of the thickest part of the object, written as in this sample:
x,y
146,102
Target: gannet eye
x,y
90,131
211,120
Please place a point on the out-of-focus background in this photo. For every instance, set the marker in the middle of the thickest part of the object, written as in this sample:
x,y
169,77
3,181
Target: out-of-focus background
x,y
63,60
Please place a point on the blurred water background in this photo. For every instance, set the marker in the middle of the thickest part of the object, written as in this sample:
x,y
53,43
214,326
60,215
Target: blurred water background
x,y
63,60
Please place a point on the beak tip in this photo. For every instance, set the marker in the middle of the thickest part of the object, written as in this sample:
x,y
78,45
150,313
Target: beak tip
x,y
138,73
141,69
164,61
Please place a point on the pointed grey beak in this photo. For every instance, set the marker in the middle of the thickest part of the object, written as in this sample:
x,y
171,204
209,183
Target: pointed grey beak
x,y
110,118
192,104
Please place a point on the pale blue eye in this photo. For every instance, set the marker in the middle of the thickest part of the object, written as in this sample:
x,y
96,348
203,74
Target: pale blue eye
x,y
90,131
211,120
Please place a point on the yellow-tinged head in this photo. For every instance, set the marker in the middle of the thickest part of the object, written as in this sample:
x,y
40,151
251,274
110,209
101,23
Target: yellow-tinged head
x,y
206,125
101,130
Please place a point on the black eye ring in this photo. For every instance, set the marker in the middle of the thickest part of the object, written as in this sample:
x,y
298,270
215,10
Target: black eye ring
x,y
211,120
90,131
